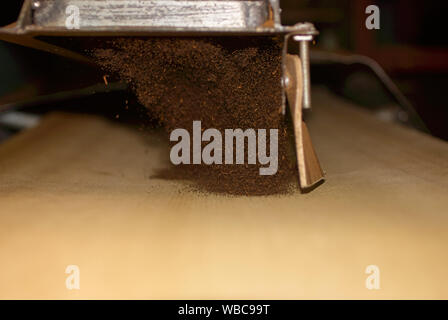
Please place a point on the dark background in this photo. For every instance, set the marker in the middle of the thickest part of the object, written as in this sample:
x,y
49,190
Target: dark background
x,y
411,46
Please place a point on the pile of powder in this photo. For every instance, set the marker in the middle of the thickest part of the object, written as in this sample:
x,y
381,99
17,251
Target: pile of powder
x,y
226,83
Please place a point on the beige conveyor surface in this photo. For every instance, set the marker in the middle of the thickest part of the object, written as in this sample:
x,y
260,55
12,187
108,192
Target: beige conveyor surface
x,y
76,191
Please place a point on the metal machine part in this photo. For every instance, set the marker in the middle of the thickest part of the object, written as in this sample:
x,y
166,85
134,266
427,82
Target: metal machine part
x,y
43,19
310,171
160,14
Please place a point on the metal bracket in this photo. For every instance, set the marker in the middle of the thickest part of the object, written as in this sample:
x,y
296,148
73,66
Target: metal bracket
x,y
310,171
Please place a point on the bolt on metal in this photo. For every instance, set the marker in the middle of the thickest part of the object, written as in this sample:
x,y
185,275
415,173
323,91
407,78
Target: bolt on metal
x,y
304,46
36,4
